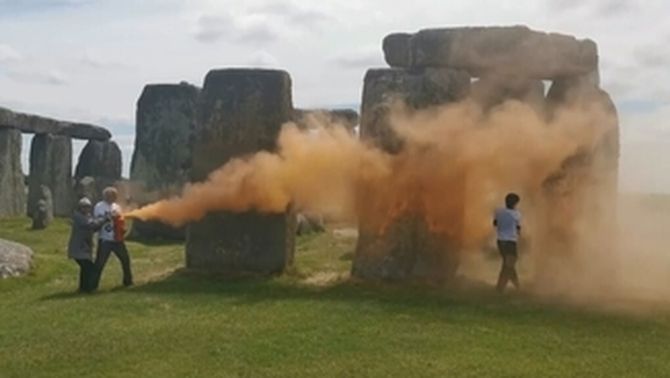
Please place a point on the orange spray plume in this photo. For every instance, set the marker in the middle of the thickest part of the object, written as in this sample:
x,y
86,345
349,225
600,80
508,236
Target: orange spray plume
x,y
455,165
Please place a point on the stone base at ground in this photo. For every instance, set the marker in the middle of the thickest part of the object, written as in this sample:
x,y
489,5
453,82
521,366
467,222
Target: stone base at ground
x,y
246,242
43,214
406,250
309,224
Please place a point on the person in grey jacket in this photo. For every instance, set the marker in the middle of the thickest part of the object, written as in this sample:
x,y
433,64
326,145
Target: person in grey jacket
x,y
80,247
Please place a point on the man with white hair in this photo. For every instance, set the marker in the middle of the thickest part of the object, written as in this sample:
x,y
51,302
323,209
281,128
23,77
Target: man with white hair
x,y
110,240
80,247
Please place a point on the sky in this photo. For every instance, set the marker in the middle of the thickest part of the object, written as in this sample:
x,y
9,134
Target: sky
x,y
88,60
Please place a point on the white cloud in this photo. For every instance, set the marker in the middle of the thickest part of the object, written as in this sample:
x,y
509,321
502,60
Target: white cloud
x,y
613,7
263,59
213,28
9,54
360,59
293,14
97,61
219,27
49,77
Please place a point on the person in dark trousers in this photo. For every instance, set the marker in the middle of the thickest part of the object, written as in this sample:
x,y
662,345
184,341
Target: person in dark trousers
x,y
80,247
507,221
108,238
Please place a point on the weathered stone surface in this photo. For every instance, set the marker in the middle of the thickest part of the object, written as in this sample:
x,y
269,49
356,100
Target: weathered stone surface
x,y
309,224
586,187
51,166
12,188
490,91
165,121
161,163
15,259
515,50
35,124
240,112
406,249
43,214
398,49
87,187
417,89
583,91
98,167
306,118
99,159
574,89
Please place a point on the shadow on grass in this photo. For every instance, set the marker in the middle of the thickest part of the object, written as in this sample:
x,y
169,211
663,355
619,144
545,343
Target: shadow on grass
x,y
157,242
65,295
438,302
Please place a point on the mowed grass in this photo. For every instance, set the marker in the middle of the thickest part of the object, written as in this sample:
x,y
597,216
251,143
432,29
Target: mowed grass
x,y
310,322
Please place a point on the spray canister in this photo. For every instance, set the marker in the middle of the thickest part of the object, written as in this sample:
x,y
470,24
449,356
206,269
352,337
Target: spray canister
x,y
119,227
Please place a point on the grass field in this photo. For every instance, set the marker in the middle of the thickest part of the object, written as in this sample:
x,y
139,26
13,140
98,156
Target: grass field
x,y
309,322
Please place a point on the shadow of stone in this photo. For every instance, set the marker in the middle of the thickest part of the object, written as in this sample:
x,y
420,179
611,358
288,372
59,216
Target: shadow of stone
x,y
349,256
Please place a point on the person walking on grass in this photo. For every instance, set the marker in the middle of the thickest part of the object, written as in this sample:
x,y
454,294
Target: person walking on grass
x,y
507,221
111,236
80,246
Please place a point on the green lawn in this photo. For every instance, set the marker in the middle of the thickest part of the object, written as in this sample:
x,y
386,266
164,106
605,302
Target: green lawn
x,y
310,322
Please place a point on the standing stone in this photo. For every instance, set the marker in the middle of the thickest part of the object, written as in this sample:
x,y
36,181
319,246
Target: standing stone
x,y
43,214
240,112
162,158
165,121
12,188
87,187
417,89
404,248
99,159
101,162
51,166
308,118
584,190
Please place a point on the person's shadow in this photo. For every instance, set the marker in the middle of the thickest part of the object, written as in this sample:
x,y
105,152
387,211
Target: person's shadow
x,y
65,295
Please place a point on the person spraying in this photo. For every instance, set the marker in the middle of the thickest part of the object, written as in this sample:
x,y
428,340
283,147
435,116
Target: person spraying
x,y
507,221
111,236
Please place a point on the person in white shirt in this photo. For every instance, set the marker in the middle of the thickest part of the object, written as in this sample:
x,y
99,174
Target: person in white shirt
x,y
507,221
108,242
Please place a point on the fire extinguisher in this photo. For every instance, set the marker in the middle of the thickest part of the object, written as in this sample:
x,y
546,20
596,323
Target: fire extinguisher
x,y
119,227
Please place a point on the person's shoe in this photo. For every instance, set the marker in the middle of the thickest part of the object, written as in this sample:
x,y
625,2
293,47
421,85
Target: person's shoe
x,y
127,284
